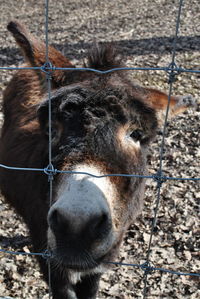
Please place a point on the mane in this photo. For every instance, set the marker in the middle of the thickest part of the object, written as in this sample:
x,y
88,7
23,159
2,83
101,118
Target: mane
x,y
104,57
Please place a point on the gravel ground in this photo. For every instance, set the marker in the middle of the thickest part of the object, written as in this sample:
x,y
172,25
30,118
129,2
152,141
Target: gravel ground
x,y
143,30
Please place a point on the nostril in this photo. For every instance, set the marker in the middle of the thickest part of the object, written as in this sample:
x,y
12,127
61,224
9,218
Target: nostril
x,y
57,221
102,220
102,226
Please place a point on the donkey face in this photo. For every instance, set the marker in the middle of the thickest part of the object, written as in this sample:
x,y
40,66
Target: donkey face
x,y
101,124
103,127
98,131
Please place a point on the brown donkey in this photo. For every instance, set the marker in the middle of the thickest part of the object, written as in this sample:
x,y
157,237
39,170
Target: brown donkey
x,y
101,124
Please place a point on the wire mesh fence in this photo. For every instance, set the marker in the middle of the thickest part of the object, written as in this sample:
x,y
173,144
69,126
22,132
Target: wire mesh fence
x,y
159,177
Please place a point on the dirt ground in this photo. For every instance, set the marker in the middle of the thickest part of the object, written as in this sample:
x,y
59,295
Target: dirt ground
x,y
143,30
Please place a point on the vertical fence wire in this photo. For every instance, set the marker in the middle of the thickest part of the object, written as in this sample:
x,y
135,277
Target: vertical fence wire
x,y
50,166
162,145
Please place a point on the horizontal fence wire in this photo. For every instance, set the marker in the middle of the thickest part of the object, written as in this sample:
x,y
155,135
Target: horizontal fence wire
x,y
49,170
172,70
146,267
43,68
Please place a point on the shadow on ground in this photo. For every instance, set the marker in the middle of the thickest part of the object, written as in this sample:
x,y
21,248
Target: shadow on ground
x,y
161,45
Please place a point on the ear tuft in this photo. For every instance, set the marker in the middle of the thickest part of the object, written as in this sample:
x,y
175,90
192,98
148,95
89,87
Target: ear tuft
x,y
104,57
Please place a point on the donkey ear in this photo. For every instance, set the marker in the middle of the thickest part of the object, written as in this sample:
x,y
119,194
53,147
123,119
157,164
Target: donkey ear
x,y
34,51
158,100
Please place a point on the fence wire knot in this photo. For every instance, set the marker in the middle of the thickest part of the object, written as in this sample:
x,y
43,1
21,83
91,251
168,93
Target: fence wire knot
x,y
173,71
147,268
48,68
47,254
159,178
50,171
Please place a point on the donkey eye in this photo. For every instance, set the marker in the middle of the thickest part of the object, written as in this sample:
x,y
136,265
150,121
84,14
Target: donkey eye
x,y
139,135
136,135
